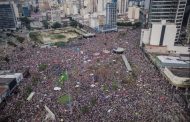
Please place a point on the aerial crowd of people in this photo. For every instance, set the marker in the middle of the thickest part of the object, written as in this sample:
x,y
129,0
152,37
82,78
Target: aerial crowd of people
x,y
99,85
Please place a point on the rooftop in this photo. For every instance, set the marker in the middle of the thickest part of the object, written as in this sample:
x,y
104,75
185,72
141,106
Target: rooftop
x,y
2,89
5,81
172,60
181,72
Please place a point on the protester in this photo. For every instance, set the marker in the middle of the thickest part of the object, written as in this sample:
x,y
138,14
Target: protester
x,y
100,87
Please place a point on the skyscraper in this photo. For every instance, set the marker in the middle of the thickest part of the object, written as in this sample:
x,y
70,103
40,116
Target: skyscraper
x,y
146,4
114,1
100,5
188,31
133,13
8,16
111,16
81,4
169,10
26,8
60,1
104,3
122,6
94,6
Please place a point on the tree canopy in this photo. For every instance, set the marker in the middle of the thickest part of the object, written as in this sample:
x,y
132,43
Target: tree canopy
x,y
45,24
26,22
56,25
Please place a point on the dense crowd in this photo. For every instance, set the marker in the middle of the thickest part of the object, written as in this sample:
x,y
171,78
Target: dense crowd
x,y
100,87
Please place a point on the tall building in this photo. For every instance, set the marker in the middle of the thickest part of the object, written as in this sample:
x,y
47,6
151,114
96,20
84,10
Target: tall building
x,y
44,6
165,10
100,6
114,1
94,23
26,8
146,4
162,33
160,38
55,15
81,4
133,13
157,35
53,3
8,15
179,17
111,16
169,10
188,31
122,6
93,6
105,3
60,1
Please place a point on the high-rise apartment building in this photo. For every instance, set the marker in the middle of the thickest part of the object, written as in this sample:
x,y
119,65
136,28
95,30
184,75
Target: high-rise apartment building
x,y
94,6
179,17
100,6
188,31
55,15
122,6
111,16
81,4
160,38
8,16
133,13
169,10
26,9
146,4
60,1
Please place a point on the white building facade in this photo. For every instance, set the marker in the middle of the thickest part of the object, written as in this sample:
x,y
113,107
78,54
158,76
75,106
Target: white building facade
x,y
162,34
122,6
133,13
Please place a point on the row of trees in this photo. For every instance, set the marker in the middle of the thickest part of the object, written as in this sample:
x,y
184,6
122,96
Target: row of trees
x,y
26,22
75,24
136,24
55,25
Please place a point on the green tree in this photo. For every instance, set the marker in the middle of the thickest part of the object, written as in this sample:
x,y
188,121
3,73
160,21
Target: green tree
x,y
56,25
20,39
129,24
59,44
26,22
45,24
70,18
124,24
73,23
137,24
80,25
36,37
